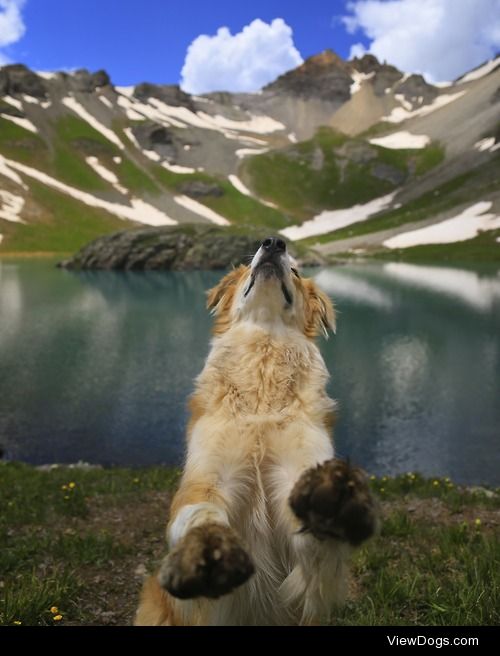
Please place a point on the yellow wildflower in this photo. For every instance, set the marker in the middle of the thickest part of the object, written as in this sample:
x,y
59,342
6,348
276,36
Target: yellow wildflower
x,y
372,477
64,487
57,618
435,483
17,622
71,485
54,610
477,522
382,489
136,480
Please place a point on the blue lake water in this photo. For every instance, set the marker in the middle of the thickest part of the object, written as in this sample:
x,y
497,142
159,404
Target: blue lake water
x,y
98,366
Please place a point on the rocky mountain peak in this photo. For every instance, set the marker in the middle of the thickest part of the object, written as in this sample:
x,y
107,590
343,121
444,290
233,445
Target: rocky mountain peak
x,y
325,76
84,81
325,59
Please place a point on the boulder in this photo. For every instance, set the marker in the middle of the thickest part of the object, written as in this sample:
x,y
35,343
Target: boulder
x,y
199,189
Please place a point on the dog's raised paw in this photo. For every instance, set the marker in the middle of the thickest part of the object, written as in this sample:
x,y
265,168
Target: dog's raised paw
x,y
334,500
208,562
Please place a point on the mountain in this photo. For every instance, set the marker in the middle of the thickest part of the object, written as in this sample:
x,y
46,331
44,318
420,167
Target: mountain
x,y
350,156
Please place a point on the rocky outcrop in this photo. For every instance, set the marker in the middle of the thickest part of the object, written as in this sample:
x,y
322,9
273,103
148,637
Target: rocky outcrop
x,y
10,110
152,136
200,189
86,82
171,94
325,76
415,87
177,248
18,79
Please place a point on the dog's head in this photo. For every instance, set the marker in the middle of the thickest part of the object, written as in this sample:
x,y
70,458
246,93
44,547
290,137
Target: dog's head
x,y
270,292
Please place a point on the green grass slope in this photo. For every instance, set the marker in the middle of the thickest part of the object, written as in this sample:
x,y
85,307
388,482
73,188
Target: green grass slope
x,y
63,224
468,187
332,171
58,223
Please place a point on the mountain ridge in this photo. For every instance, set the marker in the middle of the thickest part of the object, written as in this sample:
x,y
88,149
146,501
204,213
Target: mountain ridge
x,y
340,132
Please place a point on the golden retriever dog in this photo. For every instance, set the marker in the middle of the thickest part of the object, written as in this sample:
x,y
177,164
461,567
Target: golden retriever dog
x,y
265,518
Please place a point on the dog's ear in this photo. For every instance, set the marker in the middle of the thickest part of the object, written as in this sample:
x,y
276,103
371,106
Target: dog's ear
x,y
220,298
319,311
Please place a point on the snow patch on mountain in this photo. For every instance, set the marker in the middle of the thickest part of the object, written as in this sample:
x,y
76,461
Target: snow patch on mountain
x,y
106,101
238,184
11,206
106,174
138,211
78,109
487,144
400,114
331,220
466,225
359,78
22,122
9,173
201,210
176,168
480,72
402,140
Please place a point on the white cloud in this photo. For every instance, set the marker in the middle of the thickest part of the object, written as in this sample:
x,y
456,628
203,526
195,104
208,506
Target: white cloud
x,y
12,27
442,39
241,62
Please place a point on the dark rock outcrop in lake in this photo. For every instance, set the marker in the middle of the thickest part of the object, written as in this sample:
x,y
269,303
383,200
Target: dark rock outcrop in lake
x,y
173,248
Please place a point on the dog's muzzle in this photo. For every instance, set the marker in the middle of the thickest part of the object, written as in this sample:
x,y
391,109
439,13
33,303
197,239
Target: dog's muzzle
x,y
270,264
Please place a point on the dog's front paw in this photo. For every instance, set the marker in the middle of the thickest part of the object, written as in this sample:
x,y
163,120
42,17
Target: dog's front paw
x,y
334,500
208,562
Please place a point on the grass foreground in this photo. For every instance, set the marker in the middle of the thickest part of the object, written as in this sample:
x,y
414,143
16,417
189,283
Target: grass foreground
x,y
75,543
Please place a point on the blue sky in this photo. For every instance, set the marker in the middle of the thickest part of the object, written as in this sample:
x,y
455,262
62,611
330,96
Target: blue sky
x,y
159,40
148,40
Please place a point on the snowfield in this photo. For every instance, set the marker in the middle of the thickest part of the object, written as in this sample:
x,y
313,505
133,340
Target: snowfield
x,y
11,206
201,210
78,109
359,78
466,225
138,210
105,174
481,71
238,184
399,114
331,220
487,144
402,140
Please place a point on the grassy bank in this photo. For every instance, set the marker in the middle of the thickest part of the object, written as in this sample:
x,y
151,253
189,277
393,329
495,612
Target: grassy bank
x,y
75,544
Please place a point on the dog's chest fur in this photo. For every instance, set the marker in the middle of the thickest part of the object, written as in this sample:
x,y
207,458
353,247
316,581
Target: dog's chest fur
x,y
251,371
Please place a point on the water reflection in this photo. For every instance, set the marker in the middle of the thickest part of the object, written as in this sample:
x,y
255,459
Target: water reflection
x,y
98,366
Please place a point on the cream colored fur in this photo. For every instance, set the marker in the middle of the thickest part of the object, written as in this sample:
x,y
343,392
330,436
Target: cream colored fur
x,y
260,418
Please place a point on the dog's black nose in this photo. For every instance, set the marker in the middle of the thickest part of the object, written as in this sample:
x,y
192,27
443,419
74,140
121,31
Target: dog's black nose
x,y
274,245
